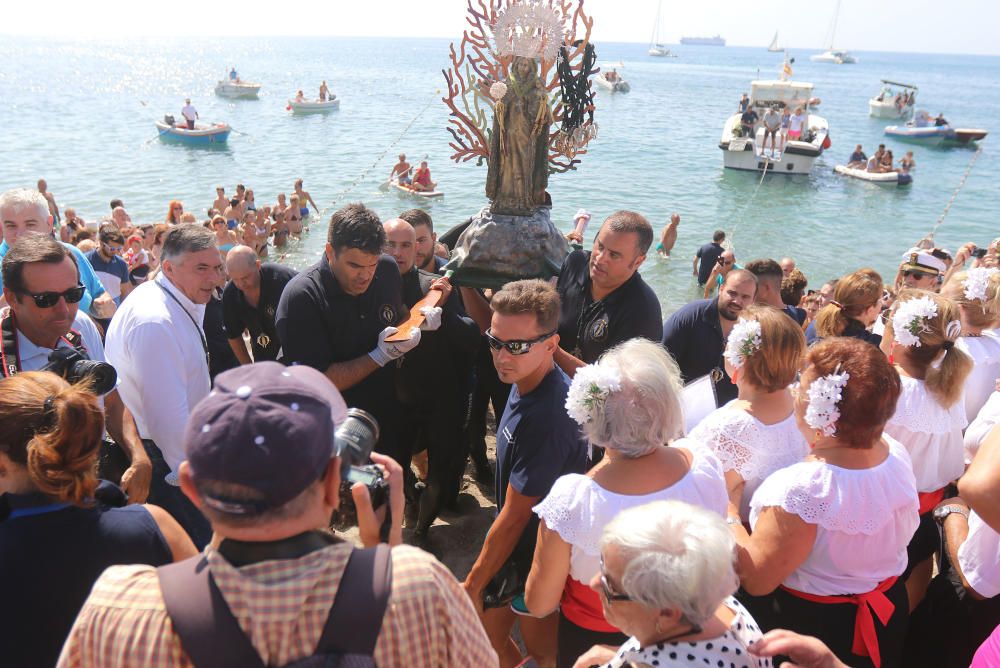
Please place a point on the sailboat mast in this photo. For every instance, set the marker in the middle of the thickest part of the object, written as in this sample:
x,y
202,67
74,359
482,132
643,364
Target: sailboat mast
x,y
656,26
833,30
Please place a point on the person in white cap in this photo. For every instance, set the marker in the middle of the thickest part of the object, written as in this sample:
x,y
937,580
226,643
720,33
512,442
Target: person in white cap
x,y
921,269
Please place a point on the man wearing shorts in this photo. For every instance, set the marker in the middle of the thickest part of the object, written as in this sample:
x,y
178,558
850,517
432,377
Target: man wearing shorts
x,y
772,121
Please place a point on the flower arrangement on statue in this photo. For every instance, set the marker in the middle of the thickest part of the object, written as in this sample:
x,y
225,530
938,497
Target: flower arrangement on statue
x,y
591,386
977,282
825,394
744,340
909,320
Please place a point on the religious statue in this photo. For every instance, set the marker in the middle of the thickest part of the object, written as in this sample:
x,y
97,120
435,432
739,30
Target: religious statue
x,y
518,170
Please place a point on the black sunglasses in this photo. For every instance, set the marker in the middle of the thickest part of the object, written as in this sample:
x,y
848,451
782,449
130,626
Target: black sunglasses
x,y
514,347
917,274
50,299
610,595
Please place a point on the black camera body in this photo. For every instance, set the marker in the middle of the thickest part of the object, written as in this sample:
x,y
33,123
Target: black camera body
x,y
354,441
979,253
74,367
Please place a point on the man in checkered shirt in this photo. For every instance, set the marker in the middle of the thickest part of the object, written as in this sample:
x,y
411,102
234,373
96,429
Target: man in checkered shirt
x,y
263,467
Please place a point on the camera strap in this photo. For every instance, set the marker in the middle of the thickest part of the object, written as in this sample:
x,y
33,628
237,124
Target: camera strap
x,y
201,334
9,355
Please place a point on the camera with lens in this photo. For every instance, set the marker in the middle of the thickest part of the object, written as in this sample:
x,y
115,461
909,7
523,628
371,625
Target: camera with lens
x,y
979,253
354,441
74,367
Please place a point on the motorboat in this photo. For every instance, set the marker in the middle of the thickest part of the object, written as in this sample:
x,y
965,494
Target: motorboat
x,y
313,106
609,78
237,89
773,47
832,55
798,156
203,134
924,130
884,178
703,41
896,100
656,47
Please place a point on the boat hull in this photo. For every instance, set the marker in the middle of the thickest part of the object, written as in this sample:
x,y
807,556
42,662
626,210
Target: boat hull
x,y
616,87
314,107
798,157
237,91
833,58
888,109
425,194
202,135
659,52
884,178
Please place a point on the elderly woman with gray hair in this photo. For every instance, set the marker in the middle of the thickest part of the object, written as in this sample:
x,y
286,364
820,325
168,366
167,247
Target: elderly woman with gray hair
x,y
629,404
666,578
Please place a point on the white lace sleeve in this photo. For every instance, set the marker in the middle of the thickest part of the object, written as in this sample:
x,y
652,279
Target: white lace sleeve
x,y
565,507
727,433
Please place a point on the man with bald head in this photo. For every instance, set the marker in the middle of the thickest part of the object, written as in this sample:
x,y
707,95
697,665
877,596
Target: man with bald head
x,y
433,381
250,302
26,210
120,217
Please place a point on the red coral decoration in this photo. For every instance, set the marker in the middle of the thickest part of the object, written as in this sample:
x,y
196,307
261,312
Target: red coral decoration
x,y
475,66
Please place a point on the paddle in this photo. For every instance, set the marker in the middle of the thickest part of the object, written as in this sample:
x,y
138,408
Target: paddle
x,y
434,297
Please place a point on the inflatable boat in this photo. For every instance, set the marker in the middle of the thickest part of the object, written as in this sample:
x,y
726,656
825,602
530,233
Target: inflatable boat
x,y
886,178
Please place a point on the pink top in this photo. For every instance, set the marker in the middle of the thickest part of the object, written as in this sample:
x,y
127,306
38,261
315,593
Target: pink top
x,y
988,655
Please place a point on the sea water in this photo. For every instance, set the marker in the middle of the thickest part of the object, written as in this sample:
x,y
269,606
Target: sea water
x,y
80,114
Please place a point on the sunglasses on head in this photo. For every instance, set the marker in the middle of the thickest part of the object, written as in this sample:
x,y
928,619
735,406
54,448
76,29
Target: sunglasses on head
x,y
514,347
50,299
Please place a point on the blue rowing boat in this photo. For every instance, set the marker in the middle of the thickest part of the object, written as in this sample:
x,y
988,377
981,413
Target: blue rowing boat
x,y
202,135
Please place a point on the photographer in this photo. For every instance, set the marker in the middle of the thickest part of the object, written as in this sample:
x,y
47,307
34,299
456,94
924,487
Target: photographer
x,y
264,463
42,288
59,530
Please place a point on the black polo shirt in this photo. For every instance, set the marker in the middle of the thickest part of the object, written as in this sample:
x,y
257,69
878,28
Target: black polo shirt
x,y
238,315
693,336
709,255
319,324
588,328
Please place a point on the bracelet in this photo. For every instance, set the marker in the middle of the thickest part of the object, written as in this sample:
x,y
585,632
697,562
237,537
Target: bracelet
x,y
734,520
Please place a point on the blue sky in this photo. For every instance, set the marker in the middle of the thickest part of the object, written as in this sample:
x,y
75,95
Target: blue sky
x,y
924,26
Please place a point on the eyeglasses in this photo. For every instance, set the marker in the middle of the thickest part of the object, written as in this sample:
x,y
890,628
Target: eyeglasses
x,y
916,274
514,347
113,249
50,299
610,595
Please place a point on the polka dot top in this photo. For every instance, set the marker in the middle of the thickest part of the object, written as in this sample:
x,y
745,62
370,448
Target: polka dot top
x,y
726,651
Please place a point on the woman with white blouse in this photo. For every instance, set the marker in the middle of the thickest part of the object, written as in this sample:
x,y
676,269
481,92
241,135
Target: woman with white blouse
x,y
919,339
830,533
629,404
977,294
756,434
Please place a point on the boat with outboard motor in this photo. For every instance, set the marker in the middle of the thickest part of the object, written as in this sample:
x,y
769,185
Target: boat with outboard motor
x,y
883,178
236,89
928,131
610,79
893,103
740,151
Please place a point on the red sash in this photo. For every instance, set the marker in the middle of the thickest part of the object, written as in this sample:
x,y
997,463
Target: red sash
x,y
865,639
929,500
582,606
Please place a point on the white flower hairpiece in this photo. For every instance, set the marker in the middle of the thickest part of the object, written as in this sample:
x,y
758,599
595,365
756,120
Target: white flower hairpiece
x,y
824,394
590,387
908,320
977,282
744,340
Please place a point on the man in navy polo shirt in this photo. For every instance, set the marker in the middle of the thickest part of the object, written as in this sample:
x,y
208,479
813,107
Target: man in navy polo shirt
x,y
707,255
336,315
696,333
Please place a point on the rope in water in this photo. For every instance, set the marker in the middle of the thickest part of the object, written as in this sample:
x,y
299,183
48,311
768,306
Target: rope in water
x,y
746,206
954,195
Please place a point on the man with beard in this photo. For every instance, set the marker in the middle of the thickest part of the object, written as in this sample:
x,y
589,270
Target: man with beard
x,y
432,381
696,334
426,241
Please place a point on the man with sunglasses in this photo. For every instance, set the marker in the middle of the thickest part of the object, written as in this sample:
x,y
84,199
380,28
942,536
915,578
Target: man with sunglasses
x,y
43,290
921,269
537,442
107,261
25,210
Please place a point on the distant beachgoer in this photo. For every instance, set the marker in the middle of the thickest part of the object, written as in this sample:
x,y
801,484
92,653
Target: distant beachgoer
x,y
189,113
225,238
305,199
885,163
796,124
772,121
279,208
725,264
786,119
324,92
422,178
907,163
744,103
280,231
940,121
233,75
787,267
747,121
669,236
174,212
858,158
876,159
707,255
221,201
51,199
300,97
293,216
233,213
401,171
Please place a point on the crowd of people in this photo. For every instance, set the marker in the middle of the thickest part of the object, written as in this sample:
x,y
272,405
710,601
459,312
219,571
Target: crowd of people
x,y
771,471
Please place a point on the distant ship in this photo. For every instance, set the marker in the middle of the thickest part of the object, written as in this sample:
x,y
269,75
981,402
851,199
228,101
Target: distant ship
x,y
703,41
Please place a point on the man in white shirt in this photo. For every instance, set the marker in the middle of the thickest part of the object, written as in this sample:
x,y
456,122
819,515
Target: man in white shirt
x,y
189,113
42,287
157,343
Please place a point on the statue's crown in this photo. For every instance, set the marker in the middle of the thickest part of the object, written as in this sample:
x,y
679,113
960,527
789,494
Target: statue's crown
x,y
528,29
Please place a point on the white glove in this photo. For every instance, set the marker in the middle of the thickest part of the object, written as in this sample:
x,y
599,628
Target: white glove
x,y
385,352
432,318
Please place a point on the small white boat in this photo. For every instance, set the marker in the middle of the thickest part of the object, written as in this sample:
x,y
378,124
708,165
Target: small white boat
x,y
774,48
407,190
313,106
203,134
609,78
236,89
834,56
892,102
890,178
661,51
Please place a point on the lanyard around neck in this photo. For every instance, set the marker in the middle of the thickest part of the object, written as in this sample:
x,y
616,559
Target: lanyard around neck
x,y
201,334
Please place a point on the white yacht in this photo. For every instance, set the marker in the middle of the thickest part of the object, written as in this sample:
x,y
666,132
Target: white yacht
x,y
896,100
656,47
797,156
832,55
